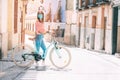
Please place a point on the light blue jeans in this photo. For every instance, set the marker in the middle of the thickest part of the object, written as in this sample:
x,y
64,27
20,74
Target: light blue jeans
x,y
39,43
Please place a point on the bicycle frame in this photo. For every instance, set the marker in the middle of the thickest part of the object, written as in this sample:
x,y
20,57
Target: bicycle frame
x,y
54,43
28,56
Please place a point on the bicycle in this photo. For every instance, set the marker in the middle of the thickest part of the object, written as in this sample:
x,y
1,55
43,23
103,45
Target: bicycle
x,y
24,55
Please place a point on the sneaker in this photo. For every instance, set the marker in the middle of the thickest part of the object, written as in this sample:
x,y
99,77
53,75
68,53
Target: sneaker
x,y
37,65
43,62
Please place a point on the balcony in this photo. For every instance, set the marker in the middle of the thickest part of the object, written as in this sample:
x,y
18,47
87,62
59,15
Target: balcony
x,y
78,6
101,1
84,4
91,3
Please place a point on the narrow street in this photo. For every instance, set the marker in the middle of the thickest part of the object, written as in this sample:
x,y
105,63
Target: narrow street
x,y
85,65
90,29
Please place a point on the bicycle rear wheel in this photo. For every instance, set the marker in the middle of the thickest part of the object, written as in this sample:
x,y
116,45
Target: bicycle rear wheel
x,y
23,51
60,57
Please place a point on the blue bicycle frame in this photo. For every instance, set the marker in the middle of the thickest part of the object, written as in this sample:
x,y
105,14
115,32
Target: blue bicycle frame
x,y
54,43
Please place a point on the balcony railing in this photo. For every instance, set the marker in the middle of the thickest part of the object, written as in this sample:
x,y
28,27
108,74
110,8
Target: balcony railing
x,y
77,4
84,3
92,3
101,1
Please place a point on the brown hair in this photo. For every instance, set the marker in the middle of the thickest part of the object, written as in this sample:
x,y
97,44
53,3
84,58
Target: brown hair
x,y
42,18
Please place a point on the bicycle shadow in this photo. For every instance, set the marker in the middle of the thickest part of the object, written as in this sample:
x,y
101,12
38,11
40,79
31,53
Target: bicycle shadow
x,y
38,68
45,68
57,69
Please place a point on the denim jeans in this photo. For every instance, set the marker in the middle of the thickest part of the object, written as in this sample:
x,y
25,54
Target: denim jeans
x,y
39,43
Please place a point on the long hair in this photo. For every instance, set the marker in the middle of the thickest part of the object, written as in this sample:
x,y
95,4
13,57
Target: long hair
x,y
42,18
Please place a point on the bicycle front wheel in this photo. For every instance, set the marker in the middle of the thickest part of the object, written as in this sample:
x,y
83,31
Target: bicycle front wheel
x,y
60,57
22,55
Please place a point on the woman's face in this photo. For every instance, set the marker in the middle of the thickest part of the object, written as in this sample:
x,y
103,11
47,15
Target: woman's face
x,y
40,16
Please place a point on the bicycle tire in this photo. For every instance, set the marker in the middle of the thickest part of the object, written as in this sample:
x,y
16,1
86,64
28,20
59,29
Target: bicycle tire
x,y
54,56
18,51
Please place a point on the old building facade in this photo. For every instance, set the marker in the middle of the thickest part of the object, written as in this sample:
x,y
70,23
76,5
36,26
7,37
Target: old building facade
x,y
54,15
116,26
95,22
70,29
89,24
98,22
12,14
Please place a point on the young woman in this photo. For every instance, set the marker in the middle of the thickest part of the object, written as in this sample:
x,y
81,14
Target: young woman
x,y
40,31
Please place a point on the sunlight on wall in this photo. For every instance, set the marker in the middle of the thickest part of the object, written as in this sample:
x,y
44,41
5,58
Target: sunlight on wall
x,y
119,17
32,7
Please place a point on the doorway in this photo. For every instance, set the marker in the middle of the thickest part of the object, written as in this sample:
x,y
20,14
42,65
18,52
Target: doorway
x,y
104,32
15,15
93,33
114,29
86,32
118,32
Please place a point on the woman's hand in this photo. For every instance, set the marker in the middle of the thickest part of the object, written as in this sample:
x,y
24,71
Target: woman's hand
x,y
31,38
42,32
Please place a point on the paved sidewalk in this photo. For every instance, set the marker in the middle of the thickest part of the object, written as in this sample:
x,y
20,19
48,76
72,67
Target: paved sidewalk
x,y
8,70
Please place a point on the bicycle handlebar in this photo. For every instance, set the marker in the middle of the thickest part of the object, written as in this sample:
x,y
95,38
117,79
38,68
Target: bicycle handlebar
x,y
51,32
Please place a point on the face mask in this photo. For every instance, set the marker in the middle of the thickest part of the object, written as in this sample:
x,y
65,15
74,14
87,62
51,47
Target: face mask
x,y
40,16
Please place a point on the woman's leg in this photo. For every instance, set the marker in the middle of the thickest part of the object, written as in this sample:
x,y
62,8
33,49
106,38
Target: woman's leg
x,y
38,43
43,46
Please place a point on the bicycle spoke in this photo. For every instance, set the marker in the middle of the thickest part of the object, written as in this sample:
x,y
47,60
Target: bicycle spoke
x,y
61,57
21,55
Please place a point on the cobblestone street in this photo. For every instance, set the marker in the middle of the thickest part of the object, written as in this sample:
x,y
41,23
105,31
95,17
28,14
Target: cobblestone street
x,y
85,65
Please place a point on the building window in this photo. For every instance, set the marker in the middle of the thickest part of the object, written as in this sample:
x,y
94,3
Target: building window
x,y
91,2
93,21
78,4
84,3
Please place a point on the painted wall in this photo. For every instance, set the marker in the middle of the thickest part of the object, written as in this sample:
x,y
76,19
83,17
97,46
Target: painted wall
x,y
96,37
33,7
108,34
119,16
13,38
69,5
0,14
54,6
118,36
3,26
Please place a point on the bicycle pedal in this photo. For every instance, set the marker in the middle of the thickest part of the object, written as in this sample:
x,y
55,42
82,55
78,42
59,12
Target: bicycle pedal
x,y
37,57
23,56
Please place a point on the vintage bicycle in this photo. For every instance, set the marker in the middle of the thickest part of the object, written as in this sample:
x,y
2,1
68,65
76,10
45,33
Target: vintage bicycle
x,y
25,55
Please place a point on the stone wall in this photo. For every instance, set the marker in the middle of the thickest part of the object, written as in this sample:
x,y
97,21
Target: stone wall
x,y
70,29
